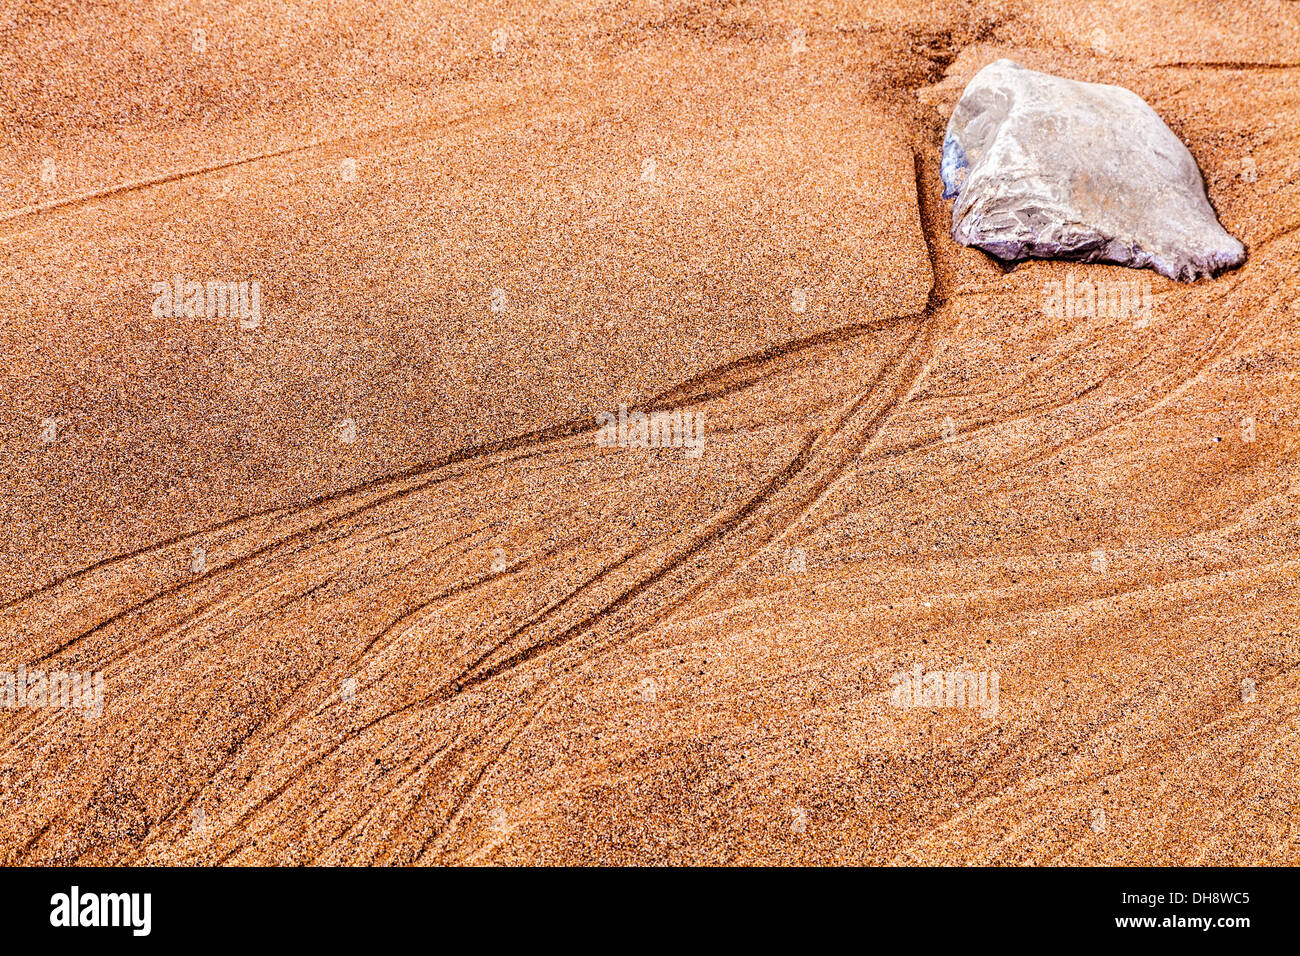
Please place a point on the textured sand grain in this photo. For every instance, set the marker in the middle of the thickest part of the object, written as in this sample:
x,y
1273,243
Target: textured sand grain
x,y
472,635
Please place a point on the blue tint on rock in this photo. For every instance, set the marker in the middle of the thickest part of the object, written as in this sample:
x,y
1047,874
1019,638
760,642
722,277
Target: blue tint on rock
x,y
953,167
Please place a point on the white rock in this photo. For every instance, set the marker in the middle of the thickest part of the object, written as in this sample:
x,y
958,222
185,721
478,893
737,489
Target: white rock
x,y
1046,167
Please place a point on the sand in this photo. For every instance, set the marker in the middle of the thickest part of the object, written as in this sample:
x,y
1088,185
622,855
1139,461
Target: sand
x,y
362,582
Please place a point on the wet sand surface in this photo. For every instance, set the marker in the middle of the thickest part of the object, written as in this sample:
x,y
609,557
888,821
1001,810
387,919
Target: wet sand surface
x,y
363,581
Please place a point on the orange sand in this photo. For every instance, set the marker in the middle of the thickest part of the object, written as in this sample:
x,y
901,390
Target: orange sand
x,y
474,635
